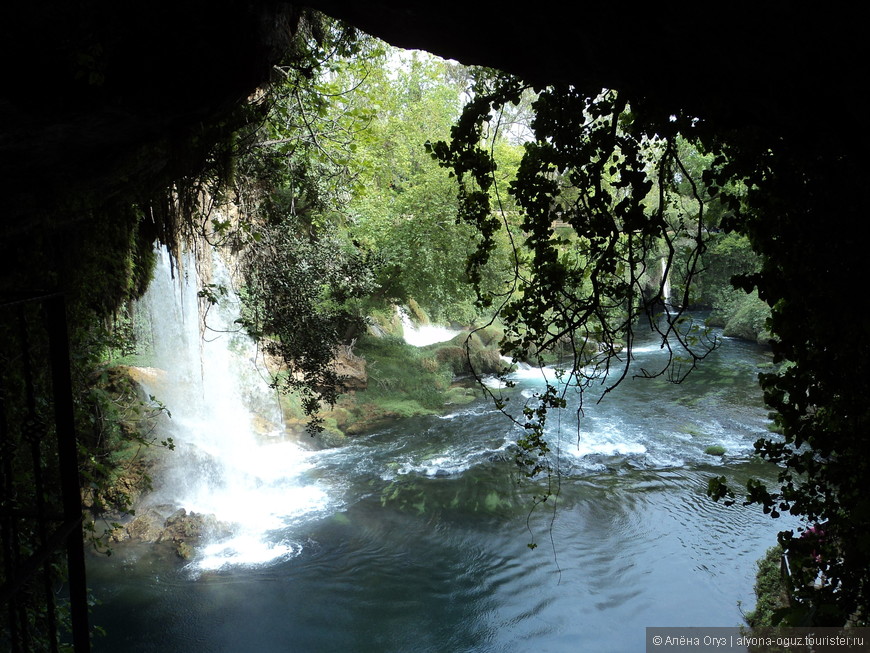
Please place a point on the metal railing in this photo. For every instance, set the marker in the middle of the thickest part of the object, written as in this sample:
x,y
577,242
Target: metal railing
x,y
43,591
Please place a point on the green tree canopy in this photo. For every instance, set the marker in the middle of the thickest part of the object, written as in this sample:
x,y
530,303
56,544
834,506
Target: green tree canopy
x,y
406,207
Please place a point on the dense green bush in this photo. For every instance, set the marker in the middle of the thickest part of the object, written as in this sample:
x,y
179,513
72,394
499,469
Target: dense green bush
x,y
727,255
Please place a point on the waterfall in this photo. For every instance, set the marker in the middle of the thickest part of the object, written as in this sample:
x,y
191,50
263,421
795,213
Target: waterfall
x,y
232,457
424,334
666,285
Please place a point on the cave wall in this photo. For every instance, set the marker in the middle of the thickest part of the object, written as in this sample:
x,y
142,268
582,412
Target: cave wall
x,y
772,64
97,94
87,83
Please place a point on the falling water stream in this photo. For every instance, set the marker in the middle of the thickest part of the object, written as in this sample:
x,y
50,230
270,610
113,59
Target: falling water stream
x,y
416,537
666,285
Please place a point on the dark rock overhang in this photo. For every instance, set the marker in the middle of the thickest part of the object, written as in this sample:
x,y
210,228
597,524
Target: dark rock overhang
x,y
96,93
737,63
86,83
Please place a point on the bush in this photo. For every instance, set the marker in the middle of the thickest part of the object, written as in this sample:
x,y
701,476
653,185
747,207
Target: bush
x,y
770,591
748,319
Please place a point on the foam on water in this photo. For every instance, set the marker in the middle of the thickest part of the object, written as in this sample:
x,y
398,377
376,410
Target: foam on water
x,y
244,550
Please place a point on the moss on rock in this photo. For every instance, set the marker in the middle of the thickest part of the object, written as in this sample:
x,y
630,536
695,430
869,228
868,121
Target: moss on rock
x,y
770,590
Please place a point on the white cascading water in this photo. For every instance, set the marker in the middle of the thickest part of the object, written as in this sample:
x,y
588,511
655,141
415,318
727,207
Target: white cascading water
x,y
666,285
231,457
424,334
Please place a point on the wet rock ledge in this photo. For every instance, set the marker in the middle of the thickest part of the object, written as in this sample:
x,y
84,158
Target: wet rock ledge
x,y
176,527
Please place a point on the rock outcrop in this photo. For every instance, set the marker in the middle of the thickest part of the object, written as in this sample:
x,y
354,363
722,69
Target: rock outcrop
x,y
173,526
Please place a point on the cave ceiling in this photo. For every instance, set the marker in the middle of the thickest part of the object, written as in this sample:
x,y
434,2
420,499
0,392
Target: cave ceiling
x,y
85,83
737,63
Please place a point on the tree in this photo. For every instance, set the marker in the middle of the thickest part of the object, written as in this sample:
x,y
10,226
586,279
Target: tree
x,y
296,294
599,169
613,167
406,208
798,218
303,278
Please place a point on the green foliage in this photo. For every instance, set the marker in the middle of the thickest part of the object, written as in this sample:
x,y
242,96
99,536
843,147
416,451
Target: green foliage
x,y
564,226
407,208
749,319
795,216
110,427
403,381
297,162
636,184
116,430
771,591
726,256
305,281
399,372
89,234
345,213
602,195
298,296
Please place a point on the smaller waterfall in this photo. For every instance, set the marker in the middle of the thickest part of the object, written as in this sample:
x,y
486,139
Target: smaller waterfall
x,y
231,459
424,334
666,285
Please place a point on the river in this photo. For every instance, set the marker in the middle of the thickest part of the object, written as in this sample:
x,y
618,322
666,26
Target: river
x,y
417,537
